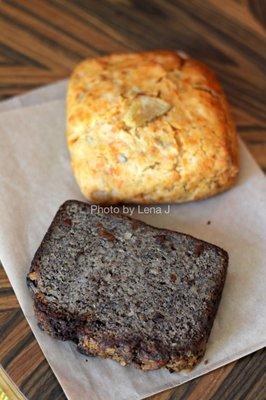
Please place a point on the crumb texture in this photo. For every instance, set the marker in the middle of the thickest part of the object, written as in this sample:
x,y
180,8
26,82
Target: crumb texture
x,y
149,127
125,290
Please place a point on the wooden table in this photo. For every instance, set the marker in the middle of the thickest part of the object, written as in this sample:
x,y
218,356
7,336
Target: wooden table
x,y
42,40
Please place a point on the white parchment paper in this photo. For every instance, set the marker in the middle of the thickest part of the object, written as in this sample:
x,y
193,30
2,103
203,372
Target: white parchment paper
x,y
35,178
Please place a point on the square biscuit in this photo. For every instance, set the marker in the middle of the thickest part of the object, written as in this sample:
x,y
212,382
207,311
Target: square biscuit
x,y
149,127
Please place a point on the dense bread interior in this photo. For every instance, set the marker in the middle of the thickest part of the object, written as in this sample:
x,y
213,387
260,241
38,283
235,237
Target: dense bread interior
x,y
127,279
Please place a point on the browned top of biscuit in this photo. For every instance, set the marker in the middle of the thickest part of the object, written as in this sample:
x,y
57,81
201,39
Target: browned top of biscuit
x,y
153,115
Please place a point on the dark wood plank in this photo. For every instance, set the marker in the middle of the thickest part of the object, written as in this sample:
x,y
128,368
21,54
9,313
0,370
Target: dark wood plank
x,y
42,40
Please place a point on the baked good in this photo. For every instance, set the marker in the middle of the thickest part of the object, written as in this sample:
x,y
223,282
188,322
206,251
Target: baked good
x,y
125,290
149,127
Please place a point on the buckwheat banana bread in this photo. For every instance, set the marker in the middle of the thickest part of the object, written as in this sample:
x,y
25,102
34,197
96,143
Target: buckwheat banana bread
x,y
150,127
125,290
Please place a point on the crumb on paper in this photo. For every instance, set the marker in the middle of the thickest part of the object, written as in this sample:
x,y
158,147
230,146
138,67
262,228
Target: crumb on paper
x,y
208,222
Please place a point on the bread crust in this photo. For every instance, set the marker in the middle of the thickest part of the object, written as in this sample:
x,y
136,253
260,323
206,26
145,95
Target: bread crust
x,y
149,127
126,351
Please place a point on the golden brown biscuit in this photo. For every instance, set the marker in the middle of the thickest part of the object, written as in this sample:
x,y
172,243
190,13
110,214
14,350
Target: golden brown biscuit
x,y
149,127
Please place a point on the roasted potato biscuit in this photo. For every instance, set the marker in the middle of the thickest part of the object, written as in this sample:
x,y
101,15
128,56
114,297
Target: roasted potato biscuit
x,y
149,127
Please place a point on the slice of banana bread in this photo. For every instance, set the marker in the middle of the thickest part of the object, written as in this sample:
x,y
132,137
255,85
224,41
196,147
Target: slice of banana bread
x,y
125,290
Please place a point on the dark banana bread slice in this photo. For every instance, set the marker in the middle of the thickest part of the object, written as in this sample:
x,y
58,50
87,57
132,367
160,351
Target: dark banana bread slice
x,y
125,290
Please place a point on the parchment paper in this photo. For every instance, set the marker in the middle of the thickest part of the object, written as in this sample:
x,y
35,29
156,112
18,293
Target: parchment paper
x,y
35,178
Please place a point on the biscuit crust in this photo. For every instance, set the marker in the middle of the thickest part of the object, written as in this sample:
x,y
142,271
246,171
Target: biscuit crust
x,y
149,127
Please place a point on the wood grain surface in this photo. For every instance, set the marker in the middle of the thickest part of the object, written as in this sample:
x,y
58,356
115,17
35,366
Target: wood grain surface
x,y
42,40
